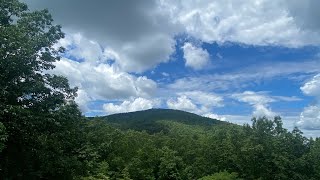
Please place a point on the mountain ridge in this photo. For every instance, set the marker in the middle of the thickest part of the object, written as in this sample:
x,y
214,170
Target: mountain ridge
x,y
149,119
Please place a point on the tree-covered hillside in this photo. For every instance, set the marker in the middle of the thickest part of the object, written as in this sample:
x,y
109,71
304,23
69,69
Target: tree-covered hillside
x,y
150,120
263,150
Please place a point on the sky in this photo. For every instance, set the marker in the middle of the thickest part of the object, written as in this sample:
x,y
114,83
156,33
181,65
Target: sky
x,y
225,59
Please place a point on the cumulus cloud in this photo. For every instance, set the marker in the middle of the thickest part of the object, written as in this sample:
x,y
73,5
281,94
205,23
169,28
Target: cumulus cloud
x,y
259,101
182,103
244,21
86,66
82,49
262,110
82,100
104,81
136,104
310,117
145,53
195,57
312,87
138,32
198,102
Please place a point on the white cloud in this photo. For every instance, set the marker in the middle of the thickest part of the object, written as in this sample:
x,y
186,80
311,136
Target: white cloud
x,y
312,87
137,104
263,110
198,102
253,98
110,54
88,69
138,32
182,103
259,102
243,78
195,57
215,116
287,98
82,100
310,117
204,98
104,81
243,21
85,49
238,119
145,53
97,80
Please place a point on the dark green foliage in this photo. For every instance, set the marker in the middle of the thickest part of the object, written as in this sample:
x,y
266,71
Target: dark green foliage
x,y
264,150
40,124
221,176
3,136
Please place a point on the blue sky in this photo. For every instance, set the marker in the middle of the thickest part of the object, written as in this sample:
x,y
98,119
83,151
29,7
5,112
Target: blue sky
x,y
229,60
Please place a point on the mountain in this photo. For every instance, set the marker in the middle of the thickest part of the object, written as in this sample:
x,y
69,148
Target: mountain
x,y
150,120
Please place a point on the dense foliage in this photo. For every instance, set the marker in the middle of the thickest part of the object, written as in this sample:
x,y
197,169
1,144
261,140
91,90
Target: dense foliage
x,y
263,150
39,122
44,136
147,120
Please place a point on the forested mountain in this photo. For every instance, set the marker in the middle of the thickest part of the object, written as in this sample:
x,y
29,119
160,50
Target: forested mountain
x,y
150,120
263,150
43,134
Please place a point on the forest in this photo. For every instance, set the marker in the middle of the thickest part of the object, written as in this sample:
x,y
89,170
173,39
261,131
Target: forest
x,y
43,134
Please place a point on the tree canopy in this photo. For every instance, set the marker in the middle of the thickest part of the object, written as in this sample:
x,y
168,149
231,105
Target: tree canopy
x,y
37,111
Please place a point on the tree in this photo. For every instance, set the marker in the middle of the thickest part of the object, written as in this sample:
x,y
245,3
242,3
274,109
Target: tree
x,y
3,136
224,175
170,164
27,52
36,108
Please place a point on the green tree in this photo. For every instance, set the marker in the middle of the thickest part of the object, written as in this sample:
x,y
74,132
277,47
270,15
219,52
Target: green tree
x,y
224,175
37,110
170,164
312,160
3,136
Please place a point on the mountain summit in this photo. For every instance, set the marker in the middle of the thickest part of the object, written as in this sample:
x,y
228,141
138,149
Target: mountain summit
x,y
149,120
